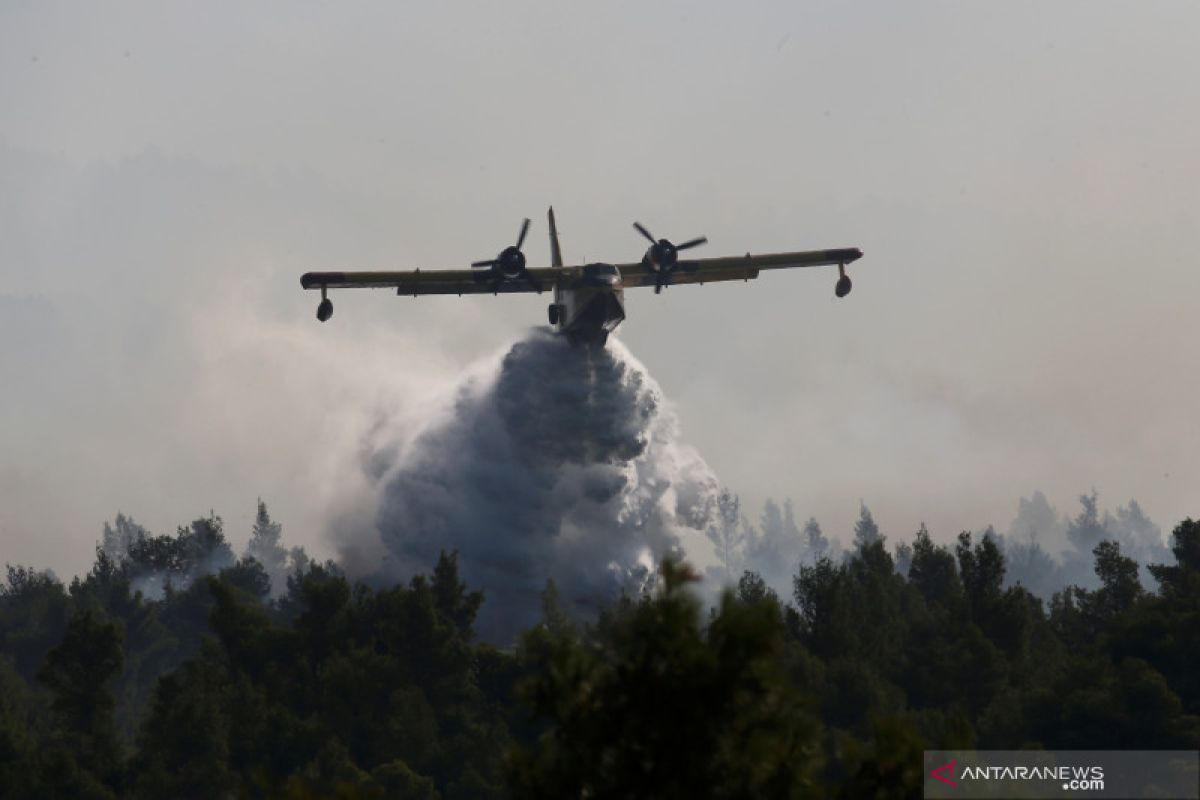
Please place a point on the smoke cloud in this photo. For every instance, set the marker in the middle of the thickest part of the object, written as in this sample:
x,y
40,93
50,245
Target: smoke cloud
x,y
557,463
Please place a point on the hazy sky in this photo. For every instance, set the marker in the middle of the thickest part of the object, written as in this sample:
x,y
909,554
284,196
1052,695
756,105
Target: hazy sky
x,y
1023,177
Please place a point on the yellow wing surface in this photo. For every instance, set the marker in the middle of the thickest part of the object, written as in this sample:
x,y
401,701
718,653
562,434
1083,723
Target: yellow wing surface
x,y
480,281
443,281
733,268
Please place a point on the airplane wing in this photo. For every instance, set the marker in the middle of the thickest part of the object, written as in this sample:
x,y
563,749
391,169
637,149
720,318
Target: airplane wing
x,y
733,268
443,281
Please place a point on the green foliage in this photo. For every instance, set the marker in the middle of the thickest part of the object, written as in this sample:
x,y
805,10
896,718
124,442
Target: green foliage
x,y
119,537
160,563
453,602
185,748
249,576
19,733
1119,589
172,670
934,573
888,765
398,780
815,542
852,609
355,681
84,747
982,571
728,533
656,704
1183,578
1164,629
1087,530
752,588
866,532
264,545
34,608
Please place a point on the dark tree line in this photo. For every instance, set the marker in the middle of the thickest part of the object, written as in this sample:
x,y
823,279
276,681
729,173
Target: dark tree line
x,y
174,669
1044,550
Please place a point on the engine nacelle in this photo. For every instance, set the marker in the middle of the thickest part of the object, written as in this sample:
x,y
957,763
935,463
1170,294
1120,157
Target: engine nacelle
x,y
510,263
661,257
663,254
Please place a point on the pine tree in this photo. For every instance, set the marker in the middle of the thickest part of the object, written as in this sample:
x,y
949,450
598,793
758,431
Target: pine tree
x,y
934,572
662,705
78,672
265,547
904,554
982,569
778,548
728,534
1182,579
454,603
815,544
866,532
1087,530
1029,565
118,538
1036,515
1119,586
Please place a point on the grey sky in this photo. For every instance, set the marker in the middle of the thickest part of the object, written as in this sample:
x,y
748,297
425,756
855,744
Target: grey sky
x,y
1023,178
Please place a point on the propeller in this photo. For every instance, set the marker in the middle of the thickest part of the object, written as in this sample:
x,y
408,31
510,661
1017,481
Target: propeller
x,y
663,255
510,263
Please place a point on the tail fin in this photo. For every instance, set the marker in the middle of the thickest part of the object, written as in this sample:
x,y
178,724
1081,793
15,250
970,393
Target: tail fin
x,y
555,251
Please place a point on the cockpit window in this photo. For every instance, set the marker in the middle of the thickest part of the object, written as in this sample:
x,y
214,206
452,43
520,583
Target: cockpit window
x,y
593,270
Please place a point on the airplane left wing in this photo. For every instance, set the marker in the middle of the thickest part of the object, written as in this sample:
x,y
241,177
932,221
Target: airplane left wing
x,y
443,281
731,268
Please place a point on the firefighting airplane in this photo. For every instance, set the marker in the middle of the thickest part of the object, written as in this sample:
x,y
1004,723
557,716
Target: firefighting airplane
x,y
589,300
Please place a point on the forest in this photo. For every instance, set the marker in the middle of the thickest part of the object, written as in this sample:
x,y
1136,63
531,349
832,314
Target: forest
x,y
175,668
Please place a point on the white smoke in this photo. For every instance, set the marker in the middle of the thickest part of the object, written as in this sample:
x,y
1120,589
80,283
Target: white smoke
x,y
560,463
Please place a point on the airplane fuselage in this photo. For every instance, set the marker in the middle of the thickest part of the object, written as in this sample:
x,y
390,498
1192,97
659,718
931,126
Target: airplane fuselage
x,y
589,303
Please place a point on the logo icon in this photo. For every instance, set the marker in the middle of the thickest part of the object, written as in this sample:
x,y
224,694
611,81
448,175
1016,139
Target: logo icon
x,y
937,773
